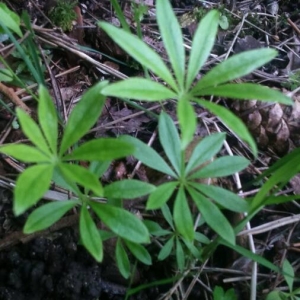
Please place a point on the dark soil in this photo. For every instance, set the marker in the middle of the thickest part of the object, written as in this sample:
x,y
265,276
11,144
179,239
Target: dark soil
x,y
54,266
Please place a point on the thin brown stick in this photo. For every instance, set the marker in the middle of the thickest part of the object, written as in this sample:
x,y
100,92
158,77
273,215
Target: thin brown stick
x,y
11,95
293,25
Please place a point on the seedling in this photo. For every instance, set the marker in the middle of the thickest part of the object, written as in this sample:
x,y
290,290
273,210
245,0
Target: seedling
x,y
52,162
289,276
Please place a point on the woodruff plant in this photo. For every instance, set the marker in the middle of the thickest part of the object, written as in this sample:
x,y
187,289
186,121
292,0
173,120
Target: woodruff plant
x,y
289,276
179,82
57,161
54,161
186,177
182,85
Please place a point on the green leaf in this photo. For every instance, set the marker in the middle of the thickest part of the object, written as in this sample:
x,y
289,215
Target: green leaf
x,y
24,56
32,131
288,273
161,195
195,250
182,216
218,293
225,198
121,17
99,167
59,179
255,257
32,51
232,121
180,256
31,186
275,295
170,31
284,169
46,215
106,235
235,67
101,149
296,291
90,235
167,215
138,89
128,189
223,22
244,91
203,42
221,167
280,199
82,176
6,75
24,153
116,202
140,252
205,150
169,139
148,156
187,121
213,216
140,51
83,116
10,19
165,251
230,295
47,116
201,238
294,155
122,223
155,229
122,260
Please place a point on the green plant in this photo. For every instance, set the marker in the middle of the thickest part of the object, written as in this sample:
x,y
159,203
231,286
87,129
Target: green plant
x,y
27,51
186,179
63,14
182,86
180,83
120,15
175,245
293,81
53,163
10,19
220,294
289,276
